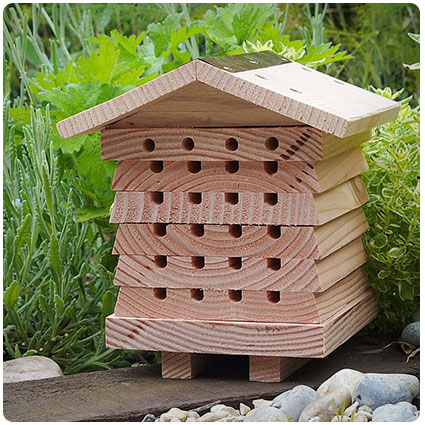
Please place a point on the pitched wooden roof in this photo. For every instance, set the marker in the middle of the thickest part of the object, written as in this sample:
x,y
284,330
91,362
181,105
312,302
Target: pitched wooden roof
x,y
257,89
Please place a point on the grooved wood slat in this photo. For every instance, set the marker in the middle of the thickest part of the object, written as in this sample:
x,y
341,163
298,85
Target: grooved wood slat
x,y
239,176
254,306
184,365
244,208
299,143
273,369
295,275
237,241
244,338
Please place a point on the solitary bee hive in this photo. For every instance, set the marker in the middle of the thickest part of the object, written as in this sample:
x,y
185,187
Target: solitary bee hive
x,y
239,197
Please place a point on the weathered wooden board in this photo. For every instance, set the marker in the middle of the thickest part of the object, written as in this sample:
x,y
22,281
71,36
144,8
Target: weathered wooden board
x,y
204,94
239,176
251,306
301,209
248,273
185,365
259,339
281,144
273,369
240,240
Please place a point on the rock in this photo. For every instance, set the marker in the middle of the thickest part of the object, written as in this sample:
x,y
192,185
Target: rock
x,y
324,407
293,402
399,412
266,414
409,382
411,334
213,416
192,416
149,418
362,417
176,413
262,403
244,409
30,368
339,419
350,409
175,420
366,409
223,408
375,392
315,419
348,378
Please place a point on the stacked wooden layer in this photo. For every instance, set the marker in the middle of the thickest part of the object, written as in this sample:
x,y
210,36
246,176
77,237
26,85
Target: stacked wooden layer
x,y
238,241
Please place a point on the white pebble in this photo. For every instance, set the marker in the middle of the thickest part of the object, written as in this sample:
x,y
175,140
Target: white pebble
x,y
262,403
244,409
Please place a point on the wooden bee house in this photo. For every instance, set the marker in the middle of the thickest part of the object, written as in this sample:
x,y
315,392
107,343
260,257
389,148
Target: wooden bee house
x,y
239,196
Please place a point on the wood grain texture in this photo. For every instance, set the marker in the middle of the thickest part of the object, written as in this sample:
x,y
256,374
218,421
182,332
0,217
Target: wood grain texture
x,y
240,240
294,143
200,94
301,209
239,176
253,306
273,369
249,273
243,338
184,365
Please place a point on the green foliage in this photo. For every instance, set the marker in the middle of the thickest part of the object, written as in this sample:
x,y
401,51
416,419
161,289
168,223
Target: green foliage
x,y
393,213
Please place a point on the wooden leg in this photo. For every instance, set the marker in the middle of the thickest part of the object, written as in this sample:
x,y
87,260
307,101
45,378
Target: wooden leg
x,y
184,365
273,369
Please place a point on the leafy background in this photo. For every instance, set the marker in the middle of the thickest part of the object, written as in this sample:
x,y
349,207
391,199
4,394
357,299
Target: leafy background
x,y
62,59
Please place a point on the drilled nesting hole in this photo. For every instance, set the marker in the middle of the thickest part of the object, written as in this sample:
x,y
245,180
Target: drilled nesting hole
x,y
148,145
235,230
274,231
197,230
198,262
157,197
156,166
273,263
270,167
188,144
197,294
273,297
234,295
160,261
160,229
235,263
160,293
195,197
271,143
194,166
231,144
231,198
232,166
270,198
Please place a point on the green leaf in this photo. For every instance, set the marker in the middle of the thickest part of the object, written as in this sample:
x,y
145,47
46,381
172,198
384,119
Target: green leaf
x,y
108,304
59,305
86,214
10,296
397,252
23,234
54,255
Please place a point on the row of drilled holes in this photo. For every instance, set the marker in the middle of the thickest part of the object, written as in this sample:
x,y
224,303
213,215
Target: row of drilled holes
x,y
230,144
194,167
234,262
231,198
235,295
198,230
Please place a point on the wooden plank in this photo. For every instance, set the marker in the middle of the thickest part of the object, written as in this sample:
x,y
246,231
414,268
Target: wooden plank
x,y
273,369
184,365
301,209
202,94
239,176
240,240
249,273
128,394
242,338
253,306
295,143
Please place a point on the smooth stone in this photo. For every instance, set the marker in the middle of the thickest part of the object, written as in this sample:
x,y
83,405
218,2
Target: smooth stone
x,y
412,334
30,368
175,420
149,418
213,416
410,382
262,403
192,416
324,407
362,417
223,408
375,392
339,419
294,401
366,409
266,414
244,409
350,409
315,419
347,378
399,412
174,412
